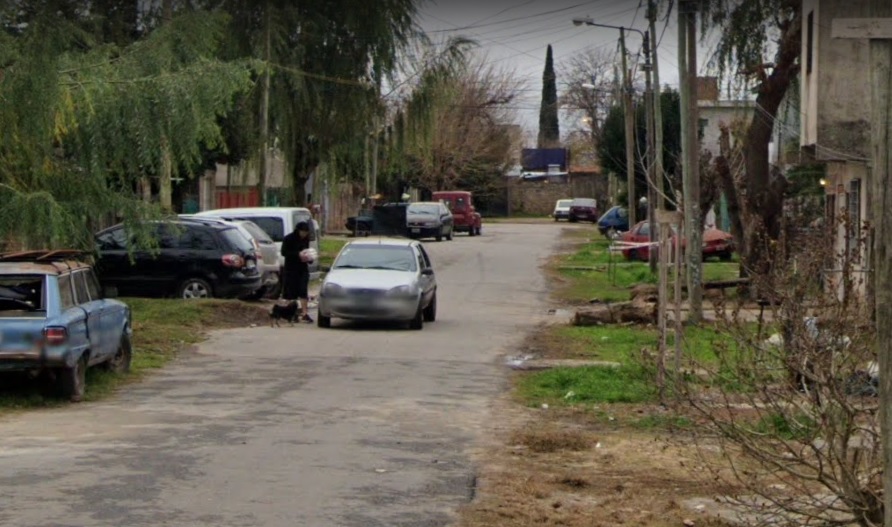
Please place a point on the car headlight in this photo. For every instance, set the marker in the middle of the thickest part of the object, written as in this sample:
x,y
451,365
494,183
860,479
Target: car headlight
x,y
403,291
332,289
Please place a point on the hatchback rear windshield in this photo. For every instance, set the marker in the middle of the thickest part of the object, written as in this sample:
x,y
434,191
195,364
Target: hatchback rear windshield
x,y
393,258
426,209
235,239
583,202
21,293
272,225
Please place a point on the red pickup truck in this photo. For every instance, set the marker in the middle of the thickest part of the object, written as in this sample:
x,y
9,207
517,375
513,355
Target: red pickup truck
x,y
465,217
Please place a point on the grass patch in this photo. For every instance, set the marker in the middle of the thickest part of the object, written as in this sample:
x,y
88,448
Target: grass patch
x,y
161,328
589,384
609,343
329,247
786,427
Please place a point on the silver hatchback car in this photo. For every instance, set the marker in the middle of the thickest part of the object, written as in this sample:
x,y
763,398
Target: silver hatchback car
x,y
380,279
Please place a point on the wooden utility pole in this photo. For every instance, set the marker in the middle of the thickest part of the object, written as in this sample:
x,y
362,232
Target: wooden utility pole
x,y
630,131
687,51
165,179
264,106
651,153
879,31
658,106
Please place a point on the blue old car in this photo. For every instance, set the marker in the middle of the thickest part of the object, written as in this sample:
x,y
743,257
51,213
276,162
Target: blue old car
x,y
54,318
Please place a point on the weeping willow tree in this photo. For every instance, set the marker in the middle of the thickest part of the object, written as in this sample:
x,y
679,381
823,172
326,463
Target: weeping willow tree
x,y
318,98
84,120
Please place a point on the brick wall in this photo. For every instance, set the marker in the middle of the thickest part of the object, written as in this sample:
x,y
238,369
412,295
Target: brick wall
x,y
537,198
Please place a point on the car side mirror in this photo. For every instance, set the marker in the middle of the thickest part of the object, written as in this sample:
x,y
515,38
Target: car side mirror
x,y
110,292
427,272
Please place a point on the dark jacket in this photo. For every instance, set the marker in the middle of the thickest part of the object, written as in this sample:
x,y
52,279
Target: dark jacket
x,y
292,245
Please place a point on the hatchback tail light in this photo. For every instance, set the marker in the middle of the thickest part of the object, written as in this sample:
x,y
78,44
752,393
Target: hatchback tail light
x,y
55,336
233,260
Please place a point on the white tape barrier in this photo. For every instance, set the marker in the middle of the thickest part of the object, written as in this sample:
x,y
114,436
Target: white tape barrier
x,y
618,246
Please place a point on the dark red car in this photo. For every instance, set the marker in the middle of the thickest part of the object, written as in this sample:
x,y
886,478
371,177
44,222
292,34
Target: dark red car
x,y
584,209
465,216
715,243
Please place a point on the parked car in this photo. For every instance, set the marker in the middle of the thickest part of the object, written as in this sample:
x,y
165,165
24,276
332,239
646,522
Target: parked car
x,y
715,243
562,209
428,219
54,318
461,204
264,248
360,224
380,278
276,222
583,209
614,221
193,260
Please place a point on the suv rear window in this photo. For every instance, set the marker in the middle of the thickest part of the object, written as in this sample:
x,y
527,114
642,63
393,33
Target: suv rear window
x,y
235,239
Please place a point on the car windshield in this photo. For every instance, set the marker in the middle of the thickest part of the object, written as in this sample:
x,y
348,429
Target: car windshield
x,y
393,258
272,225
423,209
21,293
583,202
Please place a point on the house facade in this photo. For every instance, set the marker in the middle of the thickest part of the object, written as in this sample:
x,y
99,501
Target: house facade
x,y
835,131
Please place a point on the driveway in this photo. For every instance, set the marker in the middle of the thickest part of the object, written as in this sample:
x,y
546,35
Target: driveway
x,y
294,426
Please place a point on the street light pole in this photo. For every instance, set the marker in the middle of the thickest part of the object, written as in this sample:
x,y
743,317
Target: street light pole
x,y
627,108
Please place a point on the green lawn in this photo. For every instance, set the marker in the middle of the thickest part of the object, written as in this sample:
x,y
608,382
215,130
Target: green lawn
x,y
590,271
593,272
329,247
161,328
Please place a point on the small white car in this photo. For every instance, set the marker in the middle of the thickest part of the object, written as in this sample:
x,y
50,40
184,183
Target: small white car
x,y
380,279
562,209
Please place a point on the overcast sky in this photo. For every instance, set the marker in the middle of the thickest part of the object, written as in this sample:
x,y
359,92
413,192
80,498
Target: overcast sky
x,y
515,34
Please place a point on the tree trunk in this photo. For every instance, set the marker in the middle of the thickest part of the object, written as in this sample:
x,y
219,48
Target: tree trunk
x,y
765,197
727,184
264,109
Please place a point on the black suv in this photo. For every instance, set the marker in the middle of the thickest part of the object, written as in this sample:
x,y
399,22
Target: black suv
x,y
193,260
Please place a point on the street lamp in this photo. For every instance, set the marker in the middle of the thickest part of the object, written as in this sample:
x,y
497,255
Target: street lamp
x,y
630,124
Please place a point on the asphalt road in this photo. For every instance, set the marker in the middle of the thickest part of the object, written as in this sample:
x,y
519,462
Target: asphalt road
x,y
294,426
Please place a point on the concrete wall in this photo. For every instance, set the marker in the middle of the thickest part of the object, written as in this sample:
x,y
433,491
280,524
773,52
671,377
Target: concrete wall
x,y
537,198
836,93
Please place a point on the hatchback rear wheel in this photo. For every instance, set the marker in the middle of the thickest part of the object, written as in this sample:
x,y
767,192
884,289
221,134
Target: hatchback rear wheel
x,y
191,288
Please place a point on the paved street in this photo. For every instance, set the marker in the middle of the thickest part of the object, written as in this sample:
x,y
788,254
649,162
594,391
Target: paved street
x,y
352,426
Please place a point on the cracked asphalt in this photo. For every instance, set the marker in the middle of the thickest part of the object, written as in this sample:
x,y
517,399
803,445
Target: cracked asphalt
x,y
294,426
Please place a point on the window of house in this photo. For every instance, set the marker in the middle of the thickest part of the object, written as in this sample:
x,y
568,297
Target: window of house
x,y
701,127
810,41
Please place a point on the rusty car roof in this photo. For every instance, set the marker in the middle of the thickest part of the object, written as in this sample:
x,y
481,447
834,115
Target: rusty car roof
x,y
41,262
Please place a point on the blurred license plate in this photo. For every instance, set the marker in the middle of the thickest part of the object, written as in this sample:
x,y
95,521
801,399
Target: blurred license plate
x,y
416,231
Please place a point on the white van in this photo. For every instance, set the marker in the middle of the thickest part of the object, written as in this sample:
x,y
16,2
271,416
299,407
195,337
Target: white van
x,y
277,222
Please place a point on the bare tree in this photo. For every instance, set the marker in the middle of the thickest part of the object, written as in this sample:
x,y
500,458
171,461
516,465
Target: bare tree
x,y
458,125
590,89
791,398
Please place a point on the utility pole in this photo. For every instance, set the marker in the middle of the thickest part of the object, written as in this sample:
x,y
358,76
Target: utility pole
x,y
650,152
264,106
630,131
687,52
658,106
165,179
879,31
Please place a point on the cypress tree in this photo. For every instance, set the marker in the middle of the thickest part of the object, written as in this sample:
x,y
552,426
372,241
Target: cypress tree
x,y
549,133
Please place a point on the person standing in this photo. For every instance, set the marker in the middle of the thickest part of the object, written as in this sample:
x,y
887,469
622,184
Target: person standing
x,y
297,268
